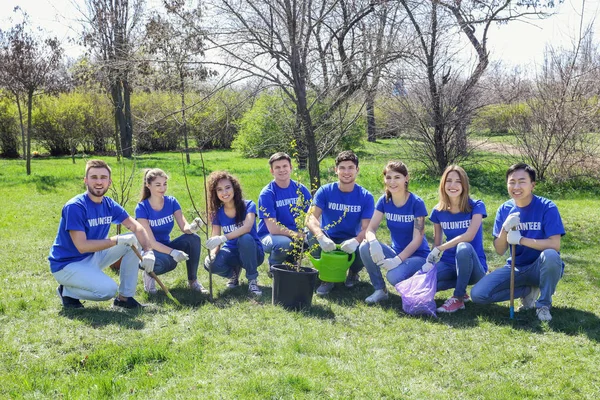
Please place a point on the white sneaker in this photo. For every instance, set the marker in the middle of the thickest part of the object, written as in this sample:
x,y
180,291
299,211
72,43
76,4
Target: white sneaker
x,y
325,288
377,296
543,313
149,284
528,302
253,288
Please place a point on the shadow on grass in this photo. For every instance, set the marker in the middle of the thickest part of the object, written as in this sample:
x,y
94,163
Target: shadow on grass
x,y
98,318
185,296
45,183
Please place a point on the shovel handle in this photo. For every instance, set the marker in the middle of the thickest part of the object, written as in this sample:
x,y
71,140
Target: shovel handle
x,y
153,275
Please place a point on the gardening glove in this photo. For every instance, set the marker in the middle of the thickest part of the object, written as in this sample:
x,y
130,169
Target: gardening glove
x,y
326,244
349,246
207,261
215,241
434,256
148,261
376,251
127,239
196,225
512,221
179,256
513,237
390,263
427,267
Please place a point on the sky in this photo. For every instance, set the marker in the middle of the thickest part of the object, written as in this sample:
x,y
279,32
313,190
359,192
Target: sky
x,y
517,43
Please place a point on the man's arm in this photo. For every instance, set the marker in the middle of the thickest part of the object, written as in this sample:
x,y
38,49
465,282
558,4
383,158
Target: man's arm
x,y
279,229
139,232
313,220
84,245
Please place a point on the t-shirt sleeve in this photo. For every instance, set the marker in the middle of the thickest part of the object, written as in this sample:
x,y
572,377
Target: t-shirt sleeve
x,y
140,211
434,216
307,197
552,222
119,213
420,210
74,217
380,203
479,208
500,217
320,199
251,207
266,204
176,206
369,205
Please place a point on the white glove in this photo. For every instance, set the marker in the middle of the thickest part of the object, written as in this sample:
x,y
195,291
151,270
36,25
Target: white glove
x,y
148,261
326,244
376,252
512,221
196,225
390,263
127,239
179,256
215,241
208,261
513,237
349,246
434,256
427,267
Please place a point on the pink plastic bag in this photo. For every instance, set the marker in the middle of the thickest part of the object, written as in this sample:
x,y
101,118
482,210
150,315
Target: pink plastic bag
x,y
418,293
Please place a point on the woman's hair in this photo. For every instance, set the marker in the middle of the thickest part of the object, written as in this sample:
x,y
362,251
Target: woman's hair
x,y
213,200
444,202
397,166
149,176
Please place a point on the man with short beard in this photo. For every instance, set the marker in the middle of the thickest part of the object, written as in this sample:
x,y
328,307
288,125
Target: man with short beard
x,y
82,248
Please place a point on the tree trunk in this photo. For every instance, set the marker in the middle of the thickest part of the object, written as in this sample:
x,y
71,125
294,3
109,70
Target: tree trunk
x,y
128,148
120,129
28,153
183,120
22,125
371,125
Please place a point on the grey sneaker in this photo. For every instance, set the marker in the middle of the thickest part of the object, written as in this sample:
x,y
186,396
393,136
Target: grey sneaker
x,y
377,296
352,279
253,288
234,281
197,287
325,288
543,313
528,302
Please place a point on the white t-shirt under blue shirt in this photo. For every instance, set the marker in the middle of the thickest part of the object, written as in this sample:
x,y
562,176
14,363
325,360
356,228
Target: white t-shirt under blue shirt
x,y
161,222
454,225
357,205
228,224
279,203
540,219
82,214
401,222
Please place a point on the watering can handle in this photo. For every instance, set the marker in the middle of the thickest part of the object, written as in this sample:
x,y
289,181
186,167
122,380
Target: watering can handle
x,y
352,255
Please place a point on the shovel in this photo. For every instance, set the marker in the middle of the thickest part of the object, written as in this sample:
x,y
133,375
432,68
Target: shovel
x,y
153,275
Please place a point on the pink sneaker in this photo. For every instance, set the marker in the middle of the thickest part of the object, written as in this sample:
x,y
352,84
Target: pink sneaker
x,y
451,305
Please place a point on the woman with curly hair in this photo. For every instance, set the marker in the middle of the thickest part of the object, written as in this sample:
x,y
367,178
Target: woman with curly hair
x,y
234,243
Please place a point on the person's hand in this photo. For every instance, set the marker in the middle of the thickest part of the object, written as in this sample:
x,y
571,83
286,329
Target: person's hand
x,y
427,267
127,239
326,244
208,261
349,246
376,251
434,255
148,261
179,256
513,237
512,221
390,263
196,225
215,241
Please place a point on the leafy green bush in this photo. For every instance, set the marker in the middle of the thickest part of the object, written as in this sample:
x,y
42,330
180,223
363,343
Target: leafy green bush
x,y
495,119
9,129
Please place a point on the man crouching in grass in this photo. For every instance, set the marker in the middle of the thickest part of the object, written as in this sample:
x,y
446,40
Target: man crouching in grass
x,y
82,248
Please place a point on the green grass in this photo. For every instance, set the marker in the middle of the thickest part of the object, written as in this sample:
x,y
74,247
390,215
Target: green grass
x,y
238,347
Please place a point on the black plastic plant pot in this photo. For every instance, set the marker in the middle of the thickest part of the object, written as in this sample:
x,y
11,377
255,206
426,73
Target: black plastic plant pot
x,y
293,289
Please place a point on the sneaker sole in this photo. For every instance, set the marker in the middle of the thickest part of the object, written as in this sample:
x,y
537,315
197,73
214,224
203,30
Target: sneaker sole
x,y
443,310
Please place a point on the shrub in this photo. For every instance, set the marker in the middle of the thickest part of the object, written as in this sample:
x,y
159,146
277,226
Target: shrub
x,y
495,119
9,129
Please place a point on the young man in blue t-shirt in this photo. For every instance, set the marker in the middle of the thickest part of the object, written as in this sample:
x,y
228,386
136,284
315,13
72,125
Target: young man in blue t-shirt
x,y
279,204
534,226
340,214
82,248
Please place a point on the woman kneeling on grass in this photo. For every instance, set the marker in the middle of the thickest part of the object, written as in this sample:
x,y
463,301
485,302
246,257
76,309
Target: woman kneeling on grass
x,y
405,213
237,218
460,218
156,213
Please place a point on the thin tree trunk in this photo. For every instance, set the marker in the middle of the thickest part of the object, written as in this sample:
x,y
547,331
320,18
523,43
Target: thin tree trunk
x,y
371,124
183,120
29,107
22,126
128,149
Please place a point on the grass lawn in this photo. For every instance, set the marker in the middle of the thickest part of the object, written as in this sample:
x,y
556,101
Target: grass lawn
x,y
238,347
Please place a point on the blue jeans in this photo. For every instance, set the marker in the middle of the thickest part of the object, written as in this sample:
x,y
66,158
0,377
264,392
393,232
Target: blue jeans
x,y
189,243
403,271
278,247
313,243
544,273
467,271
248,255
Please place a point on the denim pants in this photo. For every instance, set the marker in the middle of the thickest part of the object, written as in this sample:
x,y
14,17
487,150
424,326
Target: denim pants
x,y
248,255
85,279
467,271
188,243
403,271
545,272
313,243
278,247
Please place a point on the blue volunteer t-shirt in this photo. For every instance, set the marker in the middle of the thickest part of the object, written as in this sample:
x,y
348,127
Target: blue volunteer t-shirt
x,y
454,225
228,224
280,203
401,222
82,214
357,205
161,222
539,220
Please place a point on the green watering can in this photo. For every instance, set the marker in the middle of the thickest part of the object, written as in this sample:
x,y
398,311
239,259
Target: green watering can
x,y
333,266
